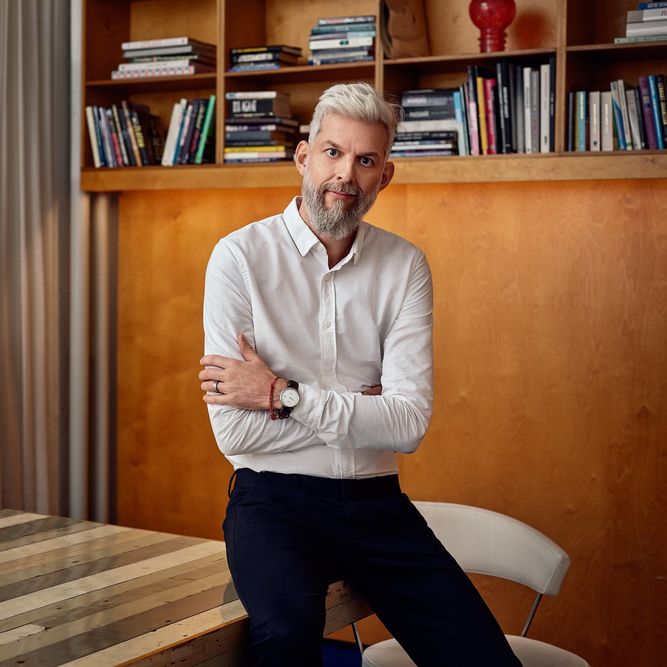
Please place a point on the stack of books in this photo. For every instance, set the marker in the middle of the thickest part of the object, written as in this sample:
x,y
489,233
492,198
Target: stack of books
x,y
510,109
124,135
342,39
623,118
430,125
172,56
648,23
259,127
190,138
255,58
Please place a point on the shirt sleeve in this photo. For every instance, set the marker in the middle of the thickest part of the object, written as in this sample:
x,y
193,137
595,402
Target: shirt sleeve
x,y
397,419
228,312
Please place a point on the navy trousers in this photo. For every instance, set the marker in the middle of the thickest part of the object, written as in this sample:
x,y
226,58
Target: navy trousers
x,y
289,536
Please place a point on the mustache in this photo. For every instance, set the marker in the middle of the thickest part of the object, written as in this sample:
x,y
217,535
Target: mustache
x,y
344,188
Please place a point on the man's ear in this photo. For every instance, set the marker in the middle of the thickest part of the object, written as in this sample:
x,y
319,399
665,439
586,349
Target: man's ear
x,y
387,175
301,156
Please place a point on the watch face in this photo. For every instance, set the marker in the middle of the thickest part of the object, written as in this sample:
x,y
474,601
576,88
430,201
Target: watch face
x,y
289,397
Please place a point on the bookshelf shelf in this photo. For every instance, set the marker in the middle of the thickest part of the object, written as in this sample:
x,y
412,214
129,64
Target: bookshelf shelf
x,y
579,35
485,169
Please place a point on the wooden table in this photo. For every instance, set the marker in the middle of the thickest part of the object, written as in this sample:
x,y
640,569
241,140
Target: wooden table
x,y
89,594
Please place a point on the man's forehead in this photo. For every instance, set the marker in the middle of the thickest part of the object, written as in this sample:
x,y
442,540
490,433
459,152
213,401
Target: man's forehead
x,y
340,130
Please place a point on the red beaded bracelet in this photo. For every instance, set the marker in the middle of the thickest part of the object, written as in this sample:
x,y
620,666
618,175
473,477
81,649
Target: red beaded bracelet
x,y
272,411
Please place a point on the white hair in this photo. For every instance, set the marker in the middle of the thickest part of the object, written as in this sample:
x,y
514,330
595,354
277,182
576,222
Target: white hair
x,y
359,101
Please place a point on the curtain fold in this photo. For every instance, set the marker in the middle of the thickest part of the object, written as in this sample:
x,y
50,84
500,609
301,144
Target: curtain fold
x,y
54,447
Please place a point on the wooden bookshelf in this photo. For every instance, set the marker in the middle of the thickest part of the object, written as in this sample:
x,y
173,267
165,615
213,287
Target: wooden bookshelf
x,y
580,35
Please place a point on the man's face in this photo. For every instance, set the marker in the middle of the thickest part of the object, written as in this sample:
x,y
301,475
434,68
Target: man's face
x,y
343,170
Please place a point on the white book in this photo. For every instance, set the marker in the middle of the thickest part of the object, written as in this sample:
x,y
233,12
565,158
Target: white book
x,y
527,120
646,28
319,44
160,64
633,115
172,132
90,121
437,125
254,95
594,119
606,121
544,108
158,43
640,15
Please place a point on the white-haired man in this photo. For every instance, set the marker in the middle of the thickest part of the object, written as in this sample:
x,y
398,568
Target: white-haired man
x,y
318,370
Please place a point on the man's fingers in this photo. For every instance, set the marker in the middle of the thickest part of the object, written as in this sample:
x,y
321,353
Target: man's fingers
x,y
375,390
215,360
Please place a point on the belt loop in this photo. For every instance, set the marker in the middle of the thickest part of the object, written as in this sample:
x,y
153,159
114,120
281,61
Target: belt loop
x,y
230,486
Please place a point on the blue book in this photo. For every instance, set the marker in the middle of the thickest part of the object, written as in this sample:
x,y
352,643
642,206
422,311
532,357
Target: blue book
x,y
652,5
459,115
655,108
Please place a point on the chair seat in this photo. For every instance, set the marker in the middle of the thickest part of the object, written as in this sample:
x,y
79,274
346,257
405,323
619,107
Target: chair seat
x,y
531,653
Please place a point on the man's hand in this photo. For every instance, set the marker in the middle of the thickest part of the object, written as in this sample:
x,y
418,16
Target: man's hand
x,y
239,383
375,390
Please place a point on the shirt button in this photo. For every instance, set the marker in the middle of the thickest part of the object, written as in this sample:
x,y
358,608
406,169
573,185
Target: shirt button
x,y
327,324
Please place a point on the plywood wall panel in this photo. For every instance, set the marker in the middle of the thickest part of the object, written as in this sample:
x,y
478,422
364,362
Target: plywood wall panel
x,y
551,380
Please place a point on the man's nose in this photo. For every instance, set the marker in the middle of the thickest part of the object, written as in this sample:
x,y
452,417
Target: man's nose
x,y
345,170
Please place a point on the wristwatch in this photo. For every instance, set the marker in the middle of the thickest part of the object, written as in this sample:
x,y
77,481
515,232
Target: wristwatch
x,y
289,398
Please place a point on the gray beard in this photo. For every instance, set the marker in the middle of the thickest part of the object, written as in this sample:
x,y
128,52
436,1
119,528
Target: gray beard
x,y
340,220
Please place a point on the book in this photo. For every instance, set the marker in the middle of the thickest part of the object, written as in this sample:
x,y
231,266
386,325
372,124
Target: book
x,y
258,103
646,28
131,133
633,118
662,99
185,50
518,109
428,97
570,121
594,119
545,125
535,109
173,131
652,5
552,103
471,111
350,28
503,94
618,117
606,121
369,18
206,130
527,111
640,38
164,42
415,113
655,108
640,15
267,48
624,114
332,60
163,69
428,125
647,112
459,111
580,123
490,103
92,134
320,44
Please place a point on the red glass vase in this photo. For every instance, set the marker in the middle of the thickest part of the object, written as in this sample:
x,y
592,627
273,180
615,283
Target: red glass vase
x,y
492,17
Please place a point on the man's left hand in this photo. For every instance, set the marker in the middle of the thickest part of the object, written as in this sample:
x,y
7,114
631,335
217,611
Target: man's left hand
x,y
241,383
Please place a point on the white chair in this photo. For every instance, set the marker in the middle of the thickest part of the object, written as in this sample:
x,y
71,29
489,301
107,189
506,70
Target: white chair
x,y
489,543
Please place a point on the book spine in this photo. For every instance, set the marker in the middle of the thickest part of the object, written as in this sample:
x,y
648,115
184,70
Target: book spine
x,y
206,128
196,132
92,134
409,100
464,149
115,141
633,117
131,132
121,136
640,116
552,103
182,133
172,133
535,109
473,124
647,113
527,110
140,137
662,99
106,137
606,122
317,44
624,113
481,114
655,108
503,93
152,43
652,5
545,86
594,120
646,28
518,120
618,116
639,15
570,121
367,18
581,121
162,70
490,99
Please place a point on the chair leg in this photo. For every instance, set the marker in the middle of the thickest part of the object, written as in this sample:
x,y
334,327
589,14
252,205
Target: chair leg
x,y
357,638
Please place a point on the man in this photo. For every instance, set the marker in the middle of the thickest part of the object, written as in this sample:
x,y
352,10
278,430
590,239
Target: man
x,y
317,371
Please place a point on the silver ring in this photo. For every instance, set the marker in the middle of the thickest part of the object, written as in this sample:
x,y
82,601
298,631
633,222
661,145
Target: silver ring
x,y
217,382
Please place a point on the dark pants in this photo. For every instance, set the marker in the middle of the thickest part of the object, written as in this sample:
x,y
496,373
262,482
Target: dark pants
x,y
289,536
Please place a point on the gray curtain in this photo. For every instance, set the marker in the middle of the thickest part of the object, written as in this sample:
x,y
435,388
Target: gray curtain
x,y
51,459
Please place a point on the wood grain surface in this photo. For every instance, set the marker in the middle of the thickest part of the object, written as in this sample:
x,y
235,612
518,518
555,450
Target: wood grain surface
x,y
87,594
551,380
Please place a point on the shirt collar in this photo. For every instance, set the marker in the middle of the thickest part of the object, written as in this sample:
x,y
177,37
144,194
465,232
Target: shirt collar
x,y
304,238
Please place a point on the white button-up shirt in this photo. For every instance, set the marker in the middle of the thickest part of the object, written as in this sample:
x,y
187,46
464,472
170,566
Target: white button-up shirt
x,y
338,331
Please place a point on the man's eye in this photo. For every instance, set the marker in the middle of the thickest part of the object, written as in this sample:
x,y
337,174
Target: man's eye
x,y
332,152
366,161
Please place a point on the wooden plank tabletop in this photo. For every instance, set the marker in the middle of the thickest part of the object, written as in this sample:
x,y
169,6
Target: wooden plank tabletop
x,y
81,593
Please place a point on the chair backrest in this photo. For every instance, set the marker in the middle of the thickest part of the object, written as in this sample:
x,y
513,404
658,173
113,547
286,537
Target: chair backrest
x,y
487,542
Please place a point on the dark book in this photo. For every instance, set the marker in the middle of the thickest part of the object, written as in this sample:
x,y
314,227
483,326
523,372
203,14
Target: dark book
x,y
258,135
123,137
655,108
570,121
262,120
662,99
503,95
186,50
647,113
267,48
192,141
428,97
552,103
418,113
